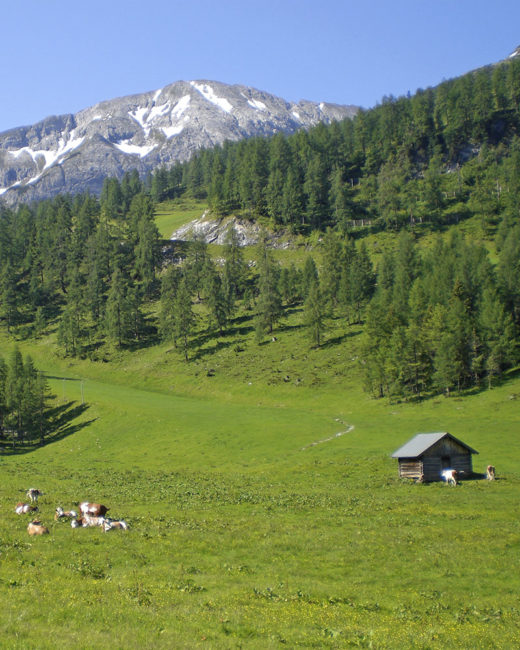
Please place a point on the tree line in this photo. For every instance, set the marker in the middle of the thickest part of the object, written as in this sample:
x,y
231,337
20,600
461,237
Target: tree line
x,y
436,157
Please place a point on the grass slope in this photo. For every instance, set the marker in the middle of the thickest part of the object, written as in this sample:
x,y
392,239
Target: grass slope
x,y
171,215
252,522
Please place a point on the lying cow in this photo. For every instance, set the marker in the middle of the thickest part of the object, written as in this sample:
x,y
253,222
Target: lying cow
x,y
94,509
35,528
64,514
25,508
90,521
112,524
450,476
78,523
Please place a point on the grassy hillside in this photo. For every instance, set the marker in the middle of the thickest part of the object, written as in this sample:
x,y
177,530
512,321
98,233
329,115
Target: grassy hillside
x,y
171,215
263,505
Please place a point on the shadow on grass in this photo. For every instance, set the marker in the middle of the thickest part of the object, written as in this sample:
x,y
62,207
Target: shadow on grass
x,y
61,424
336,340
200,353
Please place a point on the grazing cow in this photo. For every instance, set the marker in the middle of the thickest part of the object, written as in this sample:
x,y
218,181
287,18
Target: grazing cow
x,y
450,476
64,514
111,524
94,509
33,494
35,528
490,473
24,508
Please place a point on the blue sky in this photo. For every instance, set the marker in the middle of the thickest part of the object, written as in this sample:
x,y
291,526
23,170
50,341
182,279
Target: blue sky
x,y
59,57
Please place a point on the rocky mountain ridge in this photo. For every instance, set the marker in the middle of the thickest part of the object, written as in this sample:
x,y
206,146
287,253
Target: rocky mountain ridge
x,y
74,153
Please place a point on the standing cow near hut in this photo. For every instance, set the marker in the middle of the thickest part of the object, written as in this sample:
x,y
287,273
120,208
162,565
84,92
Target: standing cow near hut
x,y
450,476
490,473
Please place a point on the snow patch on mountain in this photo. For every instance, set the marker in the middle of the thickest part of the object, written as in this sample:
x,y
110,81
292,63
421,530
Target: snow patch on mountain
x,y
208,93
141,150
51,156
181,106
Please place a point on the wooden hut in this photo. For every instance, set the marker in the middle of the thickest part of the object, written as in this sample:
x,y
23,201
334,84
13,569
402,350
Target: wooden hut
x,y
427,454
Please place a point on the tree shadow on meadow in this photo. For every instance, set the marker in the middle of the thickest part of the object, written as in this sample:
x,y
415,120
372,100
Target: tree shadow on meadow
x,y
61,423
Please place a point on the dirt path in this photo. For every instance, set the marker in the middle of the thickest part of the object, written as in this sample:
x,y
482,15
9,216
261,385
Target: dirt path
x,y
336,435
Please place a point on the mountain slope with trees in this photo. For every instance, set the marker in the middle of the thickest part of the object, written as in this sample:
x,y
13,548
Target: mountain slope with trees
x,y
439,312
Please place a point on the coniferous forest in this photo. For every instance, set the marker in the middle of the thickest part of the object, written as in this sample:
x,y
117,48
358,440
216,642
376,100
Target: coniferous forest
x,y
439,318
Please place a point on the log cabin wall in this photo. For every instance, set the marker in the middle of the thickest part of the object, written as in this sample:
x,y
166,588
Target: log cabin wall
x,y
410,468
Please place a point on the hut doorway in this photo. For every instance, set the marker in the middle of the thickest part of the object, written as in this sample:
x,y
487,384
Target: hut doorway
x,y
445,462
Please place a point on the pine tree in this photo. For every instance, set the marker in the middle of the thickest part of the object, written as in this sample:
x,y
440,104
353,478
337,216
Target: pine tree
x,y
269,302
117,309
309,275
14,394
184,316
314,314
214,294
333,260
167,313
9,296
234,279
498,334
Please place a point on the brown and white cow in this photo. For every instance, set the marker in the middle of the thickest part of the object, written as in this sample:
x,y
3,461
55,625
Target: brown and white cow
x,y
94,509
24,508
450,476
35,528
112,524
490,472
64,514
33,494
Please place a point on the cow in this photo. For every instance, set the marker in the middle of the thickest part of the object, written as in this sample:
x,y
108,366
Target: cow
x,y
490,473
25,508
35,528
90,521
94,509
112,524
64,514
450,476
33,494
78,523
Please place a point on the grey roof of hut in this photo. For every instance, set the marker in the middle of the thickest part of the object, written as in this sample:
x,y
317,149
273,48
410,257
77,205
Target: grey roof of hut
x,y
422,442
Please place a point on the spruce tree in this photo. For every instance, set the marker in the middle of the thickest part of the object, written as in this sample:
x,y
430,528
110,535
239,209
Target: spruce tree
x,y
269,302
314,314
184,316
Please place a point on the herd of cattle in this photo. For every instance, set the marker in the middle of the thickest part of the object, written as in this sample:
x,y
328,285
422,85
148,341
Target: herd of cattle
x,y
90,515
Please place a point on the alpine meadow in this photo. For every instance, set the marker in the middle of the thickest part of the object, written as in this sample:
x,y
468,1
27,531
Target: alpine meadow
x,y
234,396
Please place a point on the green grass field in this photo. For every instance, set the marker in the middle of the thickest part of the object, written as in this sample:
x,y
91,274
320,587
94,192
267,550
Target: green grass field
x,y
264,508
245,534
171,215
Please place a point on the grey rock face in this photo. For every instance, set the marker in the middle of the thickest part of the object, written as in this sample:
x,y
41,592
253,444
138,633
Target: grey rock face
x,y
215,231
74,153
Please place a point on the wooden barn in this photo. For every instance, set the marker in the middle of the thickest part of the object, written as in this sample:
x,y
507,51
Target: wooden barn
x,y
427,454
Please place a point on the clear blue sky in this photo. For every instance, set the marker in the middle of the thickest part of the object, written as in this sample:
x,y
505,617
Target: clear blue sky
x,y
59,57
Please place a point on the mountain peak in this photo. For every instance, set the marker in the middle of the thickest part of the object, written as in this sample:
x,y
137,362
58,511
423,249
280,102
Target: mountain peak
x,y
515,53
75,153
